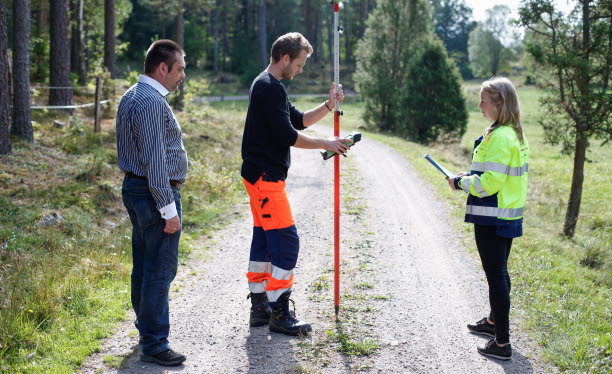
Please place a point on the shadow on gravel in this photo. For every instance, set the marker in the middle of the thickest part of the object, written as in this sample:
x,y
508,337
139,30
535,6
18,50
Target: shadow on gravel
x,y
131,364
269,352
518,365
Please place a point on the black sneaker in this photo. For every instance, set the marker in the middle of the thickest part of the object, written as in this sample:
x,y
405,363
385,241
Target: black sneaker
x,y
165,358
283,320
482,327
260,309
491,349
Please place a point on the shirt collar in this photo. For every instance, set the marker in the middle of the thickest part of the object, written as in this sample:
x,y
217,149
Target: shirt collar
x,y
153,83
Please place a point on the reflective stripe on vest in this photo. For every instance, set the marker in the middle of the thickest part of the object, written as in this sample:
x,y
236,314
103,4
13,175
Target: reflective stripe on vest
x,y
500,168
490,211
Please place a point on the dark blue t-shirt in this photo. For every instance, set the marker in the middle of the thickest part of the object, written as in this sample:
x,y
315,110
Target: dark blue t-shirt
x,y
270,130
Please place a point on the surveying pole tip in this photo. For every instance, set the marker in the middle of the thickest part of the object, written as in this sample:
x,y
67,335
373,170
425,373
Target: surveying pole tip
x,y
337,310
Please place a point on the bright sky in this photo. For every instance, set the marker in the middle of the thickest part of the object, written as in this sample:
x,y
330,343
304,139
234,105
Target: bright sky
x,y
479,6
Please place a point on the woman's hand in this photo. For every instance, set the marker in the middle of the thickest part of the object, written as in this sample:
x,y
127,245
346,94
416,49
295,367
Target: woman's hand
x,y
451,181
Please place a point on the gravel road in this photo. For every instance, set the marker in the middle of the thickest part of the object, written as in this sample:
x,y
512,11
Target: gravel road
x,y
411,290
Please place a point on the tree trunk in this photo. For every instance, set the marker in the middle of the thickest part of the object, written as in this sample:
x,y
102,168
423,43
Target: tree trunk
x,y
59,59
347,39
179,24
573,206
251,18
77,58
364,17
5,118
224,45
263,34
110,56
309,20
38,52
318,49
22,121
216,33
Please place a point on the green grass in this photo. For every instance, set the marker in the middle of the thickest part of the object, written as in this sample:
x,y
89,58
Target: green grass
x,y
350,347
561,287
64,287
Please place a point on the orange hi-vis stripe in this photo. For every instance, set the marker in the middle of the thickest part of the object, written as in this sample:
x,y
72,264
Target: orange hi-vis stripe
x,y
258,277
279,284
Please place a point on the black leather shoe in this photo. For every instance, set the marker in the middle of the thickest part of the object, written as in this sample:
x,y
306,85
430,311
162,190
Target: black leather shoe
x,y
260,309
282,320
491,349
482,327
165,358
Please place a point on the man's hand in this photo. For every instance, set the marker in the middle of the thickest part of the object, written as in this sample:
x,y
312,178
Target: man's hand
x,y
172,225
333,96
337,145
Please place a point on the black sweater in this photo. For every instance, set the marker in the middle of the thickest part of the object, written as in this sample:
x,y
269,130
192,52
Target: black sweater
x,y
269,131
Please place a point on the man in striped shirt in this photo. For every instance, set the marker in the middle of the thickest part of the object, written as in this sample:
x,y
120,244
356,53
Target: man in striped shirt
x,y
152,156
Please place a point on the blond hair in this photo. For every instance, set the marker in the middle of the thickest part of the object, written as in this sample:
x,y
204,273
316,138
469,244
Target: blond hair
x,y
505,101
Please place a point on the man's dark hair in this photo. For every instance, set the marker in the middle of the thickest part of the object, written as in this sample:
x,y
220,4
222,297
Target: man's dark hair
x,y
291,44
163,50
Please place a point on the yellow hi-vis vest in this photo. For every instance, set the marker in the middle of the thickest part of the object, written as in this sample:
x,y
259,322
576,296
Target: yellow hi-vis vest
x,y
497,183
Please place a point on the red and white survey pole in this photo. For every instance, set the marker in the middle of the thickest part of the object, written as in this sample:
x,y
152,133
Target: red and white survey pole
x,y
337,114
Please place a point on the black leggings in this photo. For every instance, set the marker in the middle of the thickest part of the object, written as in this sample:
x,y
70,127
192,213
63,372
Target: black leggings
x,y
494,251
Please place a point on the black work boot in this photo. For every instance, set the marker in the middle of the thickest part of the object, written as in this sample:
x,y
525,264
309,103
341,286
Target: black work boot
x,y
260,309
284,321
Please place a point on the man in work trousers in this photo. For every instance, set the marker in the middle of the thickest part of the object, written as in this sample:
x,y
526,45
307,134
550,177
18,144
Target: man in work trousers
x,y
270,130
152,156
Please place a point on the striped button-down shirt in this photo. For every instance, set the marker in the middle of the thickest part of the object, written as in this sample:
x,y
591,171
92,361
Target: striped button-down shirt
x,y
149,141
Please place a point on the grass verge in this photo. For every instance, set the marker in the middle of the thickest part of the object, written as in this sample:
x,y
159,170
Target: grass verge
x,y
65,241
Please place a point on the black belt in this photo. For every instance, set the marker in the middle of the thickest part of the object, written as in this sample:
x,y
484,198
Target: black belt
x,y
173,183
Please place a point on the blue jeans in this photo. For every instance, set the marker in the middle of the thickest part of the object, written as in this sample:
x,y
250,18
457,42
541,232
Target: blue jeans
x,y
155,260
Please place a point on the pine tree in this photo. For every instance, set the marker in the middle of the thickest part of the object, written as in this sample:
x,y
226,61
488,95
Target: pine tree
x,y
110,57
434,101
5,119
575,51
394,32
59,61
22,120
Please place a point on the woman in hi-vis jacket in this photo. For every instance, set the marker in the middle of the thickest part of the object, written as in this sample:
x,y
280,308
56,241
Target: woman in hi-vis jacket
x,y
497,187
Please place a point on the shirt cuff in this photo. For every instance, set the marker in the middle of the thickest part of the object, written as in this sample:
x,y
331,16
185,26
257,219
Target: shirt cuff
x,y
457,180
169,211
